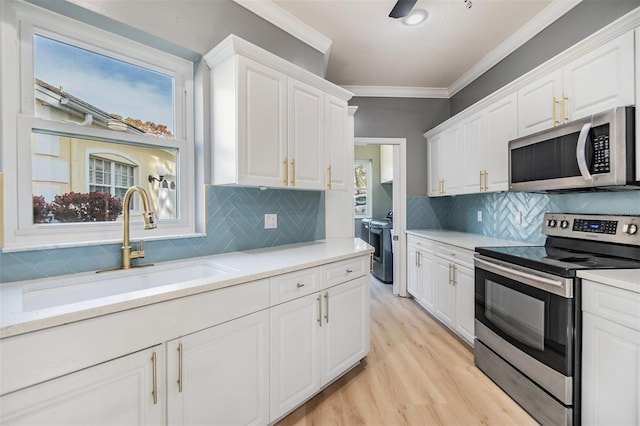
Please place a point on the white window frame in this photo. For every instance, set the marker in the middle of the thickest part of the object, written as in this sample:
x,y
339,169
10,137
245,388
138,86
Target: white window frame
x,y
20,21
369,212
95,154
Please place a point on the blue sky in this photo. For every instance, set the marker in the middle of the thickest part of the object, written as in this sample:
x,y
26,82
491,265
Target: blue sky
x,y
112,85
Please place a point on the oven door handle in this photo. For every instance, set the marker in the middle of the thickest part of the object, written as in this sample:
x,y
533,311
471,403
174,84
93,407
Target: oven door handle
x,y
558,286
581,152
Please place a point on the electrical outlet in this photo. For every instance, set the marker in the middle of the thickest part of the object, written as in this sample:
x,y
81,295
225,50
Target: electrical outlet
x,y
479,215
518,218
270,221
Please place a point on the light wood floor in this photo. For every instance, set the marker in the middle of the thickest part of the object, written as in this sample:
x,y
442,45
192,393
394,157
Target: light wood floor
x,y
417,373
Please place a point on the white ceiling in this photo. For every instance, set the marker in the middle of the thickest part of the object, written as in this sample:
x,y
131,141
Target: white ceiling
x,y
453,46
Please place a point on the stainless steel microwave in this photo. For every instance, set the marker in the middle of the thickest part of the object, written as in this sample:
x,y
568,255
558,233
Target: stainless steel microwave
x,y
596,152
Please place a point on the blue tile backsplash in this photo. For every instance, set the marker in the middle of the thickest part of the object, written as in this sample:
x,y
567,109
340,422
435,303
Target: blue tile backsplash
x,y
235,221
499,211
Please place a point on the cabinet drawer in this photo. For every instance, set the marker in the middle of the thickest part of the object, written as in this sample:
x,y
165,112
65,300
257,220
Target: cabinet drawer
x,y
422,243
455,254
345,270
615,304
294,284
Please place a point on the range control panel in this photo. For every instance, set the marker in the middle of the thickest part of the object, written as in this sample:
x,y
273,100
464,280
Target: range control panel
x,y
606,228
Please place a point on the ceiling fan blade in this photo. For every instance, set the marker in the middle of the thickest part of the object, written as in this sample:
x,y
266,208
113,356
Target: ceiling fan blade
x,y
402,8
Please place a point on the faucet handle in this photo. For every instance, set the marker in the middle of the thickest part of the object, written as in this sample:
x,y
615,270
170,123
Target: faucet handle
x,y
138,254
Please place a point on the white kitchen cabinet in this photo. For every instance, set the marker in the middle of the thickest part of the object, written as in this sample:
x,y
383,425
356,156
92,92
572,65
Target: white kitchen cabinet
x,y
597,81
249,125
440,277
386,163
445,303
220,375
500,126
338,144
434,144
314,339
125,391
306,136
472,144
420,271
464,281
637,107
275,124
610,355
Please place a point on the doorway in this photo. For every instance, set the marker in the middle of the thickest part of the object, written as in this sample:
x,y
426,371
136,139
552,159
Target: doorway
x,y
399,203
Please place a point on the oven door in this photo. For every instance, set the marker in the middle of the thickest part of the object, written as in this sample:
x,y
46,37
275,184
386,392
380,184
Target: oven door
x,y
527,317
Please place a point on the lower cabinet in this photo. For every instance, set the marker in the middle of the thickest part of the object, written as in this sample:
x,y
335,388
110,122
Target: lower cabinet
x,y
220,375
610,355
314,340
443,283
125,391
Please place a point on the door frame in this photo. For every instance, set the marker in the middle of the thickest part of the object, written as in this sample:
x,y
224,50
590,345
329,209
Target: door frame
x,y
399,207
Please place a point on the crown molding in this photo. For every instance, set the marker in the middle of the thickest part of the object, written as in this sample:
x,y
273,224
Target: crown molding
x,y
542,20
398,92
284,20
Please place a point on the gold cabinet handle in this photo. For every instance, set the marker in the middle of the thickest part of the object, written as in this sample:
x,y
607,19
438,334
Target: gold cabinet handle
x,y
319,310
453,274
371,263
481,175
565,100
300,285
444,186
326,315
330,176
154,374
180,367
555,114
286,171
293,172
486,181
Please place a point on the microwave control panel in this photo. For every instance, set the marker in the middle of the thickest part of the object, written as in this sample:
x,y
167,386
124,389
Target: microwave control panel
x,y
601,155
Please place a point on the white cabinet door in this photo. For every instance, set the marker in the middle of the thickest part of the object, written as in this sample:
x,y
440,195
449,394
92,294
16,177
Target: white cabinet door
x,y
434,163
450,161
220,376
445,300
345,329
471,151
610,372
338,145
118,392
295,353
539,104
500,127
306,136
465,302
427,282
600,80
413,272
262,121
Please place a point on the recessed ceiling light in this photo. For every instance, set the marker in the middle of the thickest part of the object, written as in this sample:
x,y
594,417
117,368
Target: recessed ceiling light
x,y
417,16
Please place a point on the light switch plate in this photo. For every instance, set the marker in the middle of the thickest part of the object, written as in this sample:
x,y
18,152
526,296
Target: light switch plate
x,y
479,215
270,221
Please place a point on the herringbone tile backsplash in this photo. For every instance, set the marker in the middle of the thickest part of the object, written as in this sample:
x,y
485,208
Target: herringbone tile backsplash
x,y
500,211
235,221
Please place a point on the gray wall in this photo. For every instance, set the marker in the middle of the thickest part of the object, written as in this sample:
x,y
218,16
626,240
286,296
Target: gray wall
x,y
402,118
580,22
188,28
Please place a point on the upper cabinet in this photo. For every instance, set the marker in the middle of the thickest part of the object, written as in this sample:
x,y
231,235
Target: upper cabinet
x,y
469,152
597,81
386,163
275,124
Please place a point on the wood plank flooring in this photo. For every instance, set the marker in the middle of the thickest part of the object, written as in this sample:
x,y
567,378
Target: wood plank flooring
x,y
417,373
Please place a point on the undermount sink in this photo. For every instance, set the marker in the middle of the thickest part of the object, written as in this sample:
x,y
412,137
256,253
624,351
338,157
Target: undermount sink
x,y
94,286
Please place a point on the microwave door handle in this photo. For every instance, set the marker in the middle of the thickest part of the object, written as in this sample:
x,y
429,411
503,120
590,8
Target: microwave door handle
x,y
581,151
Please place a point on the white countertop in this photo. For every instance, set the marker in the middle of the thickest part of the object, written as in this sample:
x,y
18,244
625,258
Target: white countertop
x,y
238,267
626,279
463,239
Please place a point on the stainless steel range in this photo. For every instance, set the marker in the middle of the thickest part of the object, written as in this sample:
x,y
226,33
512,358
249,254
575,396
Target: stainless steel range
x,y
527,308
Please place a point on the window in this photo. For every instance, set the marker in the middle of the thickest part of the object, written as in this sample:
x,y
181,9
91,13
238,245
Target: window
x,y
110,177
87,114
362,188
